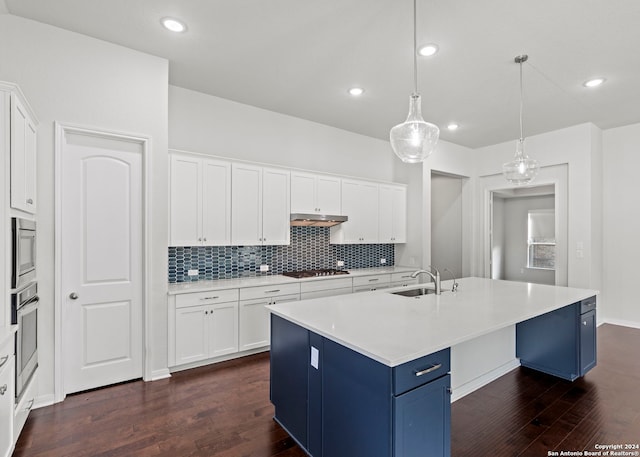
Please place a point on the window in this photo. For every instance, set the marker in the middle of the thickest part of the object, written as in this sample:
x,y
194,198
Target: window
x,y
541,237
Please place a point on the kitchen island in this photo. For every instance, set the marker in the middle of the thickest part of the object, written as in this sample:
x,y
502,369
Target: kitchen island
x,y
368,374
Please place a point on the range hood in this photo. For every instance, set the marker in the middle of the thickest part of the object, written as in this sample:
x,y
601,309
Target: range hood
x,y
316,220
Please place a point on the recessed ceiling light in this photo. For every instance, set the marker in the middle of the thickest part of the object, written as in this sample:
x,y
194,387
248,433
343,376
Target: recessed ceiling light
x,y
453,126
428,50
174,25
356,91
595,82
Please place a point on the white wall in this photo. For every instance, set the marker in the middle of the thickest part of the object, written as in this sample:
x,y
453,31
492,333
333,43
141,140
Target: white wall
x,y
446,223
212,125
579,148
621,225
74,79
458,161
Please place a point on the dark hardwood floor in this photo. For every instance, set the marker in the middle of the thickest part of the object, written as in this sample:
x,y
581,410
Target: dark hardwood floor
x,y
224,411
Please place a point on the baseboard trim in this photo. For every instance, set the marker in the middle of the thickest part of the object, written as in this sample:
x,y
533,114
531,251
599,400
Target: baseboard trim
x,y
156,375
621,322
483,380
44,400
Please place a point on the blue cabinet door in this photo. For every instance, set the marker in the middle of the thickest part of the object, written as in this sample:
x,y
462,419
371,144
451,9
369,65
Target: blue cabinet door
x,y
422,420
289,370
587,341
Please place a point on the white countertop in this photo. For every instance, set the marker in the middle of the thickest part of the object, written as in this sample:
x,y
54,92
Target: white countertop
x,y
394,329
270,280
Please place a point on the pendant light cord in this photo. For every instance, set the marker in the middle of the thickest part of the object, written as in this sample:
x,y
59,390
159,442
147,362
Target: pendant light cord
x,y
415,49
521,103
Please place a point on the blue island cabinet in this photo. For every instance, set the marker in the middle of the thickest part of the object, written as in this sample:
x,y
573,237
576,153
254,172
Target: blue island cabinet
x,y
562,342
336,402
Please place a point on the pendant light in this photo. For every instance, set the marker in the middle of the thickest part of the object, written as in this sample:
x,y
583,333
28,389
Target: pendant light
x,y
414,140
521,170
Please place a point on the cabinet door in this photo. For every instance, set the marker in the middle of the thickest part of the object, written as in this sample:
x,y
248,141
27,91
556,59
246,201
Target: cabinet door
x,y
303,193
23,158
223,329
192,334
385,206
399,214
276,206
216,202
246,204
587,341
360,204
422,420
254,324
185,202
328,195
393,214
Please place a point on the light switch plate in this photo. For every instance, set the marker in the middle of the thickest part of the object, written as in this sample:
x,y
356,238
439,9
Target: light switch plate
x,y
192,273
264,268
383,261
340,263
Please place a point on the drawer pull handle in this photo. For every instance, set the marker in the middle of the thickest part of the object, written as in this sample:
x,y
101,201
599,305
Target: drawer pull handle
x,y
429,370
210,298
3,389
271,291
3,360
374,279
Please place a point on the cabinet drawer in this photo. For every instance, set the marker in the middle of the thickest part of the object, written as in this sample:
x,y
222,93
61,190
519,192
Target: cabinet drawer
x,y
371,280
206,298
325,284
587,304
404,277
420,371
250,293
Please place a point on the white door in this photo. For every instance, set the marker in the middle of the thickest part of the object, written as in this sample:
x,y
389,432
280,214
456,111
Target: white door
x,y
101,281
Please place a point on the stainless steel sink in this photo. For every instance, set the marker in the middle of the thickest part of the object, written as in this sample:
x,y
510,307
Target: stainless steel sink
x,y
415,292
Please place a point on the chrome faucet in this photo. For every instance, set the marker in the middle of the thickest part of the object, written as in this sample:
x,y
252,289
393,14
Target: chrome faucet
x,y
435,277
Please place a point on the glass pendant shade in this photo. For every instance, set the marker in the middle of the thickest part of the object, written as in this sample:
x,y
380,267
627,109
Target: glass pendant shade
x,y
521,170
414,140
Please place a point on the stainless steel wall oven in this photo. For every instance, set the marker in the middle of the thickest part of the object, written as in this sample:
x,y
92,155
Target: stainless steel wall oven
x,y
24,313
23,237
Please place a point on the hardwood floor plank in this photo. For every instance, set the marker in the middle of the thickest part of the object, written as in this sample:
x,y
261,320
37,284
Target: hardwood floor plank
x,y
223,410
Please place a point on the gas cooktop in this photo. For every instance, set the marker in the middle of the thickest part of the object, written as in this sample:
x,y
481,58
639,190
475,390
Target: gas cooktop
x,y
314,273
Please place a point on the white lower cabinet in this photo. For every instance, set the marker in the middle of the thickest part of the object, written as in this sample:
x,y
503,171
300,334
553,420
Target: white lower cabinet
x,y
254,317
403,279
205,325
326,288
371,282
206,331
7,395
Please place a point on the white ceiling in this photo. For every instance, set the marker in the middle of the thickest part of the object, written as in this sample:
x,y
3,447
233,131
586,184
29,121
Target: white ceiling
x,y
299,57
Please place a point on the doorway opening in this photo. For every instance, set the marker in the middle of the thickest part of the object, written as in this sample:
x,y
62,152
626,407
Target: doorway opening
x,y
523,234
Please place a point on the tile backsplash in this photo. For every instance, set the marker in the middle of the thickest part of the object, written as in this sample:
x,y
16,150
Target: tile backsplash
x,y
309,249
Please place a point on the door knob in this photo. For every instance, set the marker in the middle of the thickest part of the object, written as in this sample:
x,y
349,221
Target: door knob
x,y
73,296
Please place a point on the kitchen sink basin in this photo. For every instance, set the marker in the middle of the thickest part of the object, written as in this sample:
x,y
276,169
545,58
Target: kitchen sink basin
x,y
415,292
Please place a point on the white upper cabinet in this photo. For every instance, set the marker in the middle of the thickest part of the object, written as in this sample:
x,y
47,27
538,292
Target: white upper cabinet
x,y
200,201
315,194
360,205
260,205
392,227
23,157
